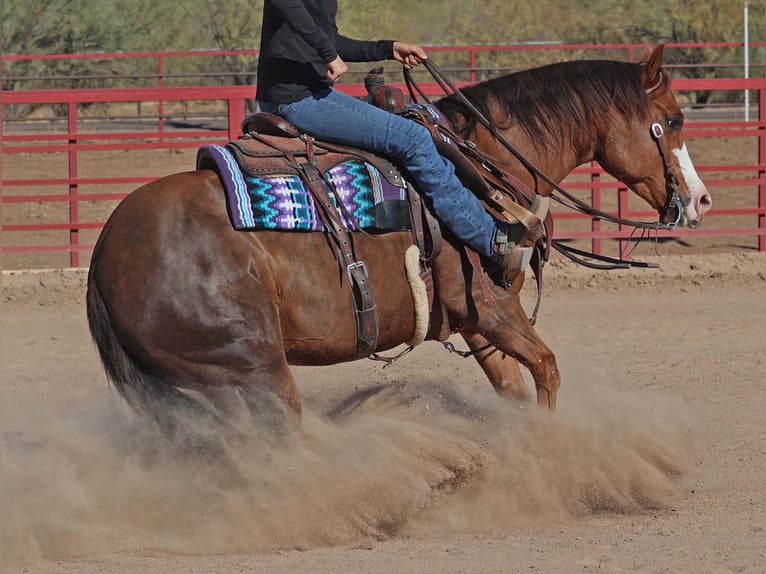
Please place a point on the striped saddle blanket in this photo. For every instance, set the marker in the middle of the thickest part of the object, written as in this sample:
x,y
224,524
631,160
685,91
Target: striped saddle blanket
x,y
263,192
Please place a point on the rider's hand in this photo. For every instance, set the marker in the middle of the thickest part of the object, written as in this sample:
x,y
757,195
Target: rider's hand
x,y
409,54
336,69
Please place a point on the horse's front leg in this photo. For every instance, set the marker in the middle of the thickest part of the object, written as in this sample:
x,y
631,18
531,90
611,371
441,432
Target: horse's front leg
x,y
510,330
501,369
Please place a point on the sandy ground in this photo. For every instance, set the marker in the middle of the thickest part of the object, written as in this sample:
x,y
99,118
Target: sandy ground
x,y
655,462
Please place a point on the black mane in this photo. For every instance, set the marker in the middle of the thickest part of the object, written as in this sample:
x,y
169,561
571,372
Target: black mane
x,y
549,101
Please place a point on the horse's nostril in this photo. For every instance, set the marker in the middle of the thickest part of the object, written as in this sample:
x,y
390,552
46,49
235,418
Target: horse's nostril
x,y
704,203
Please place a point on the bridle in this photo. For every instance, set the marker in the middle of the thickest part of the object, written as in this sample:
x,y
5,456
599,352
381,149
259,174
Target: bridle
x,y
674,201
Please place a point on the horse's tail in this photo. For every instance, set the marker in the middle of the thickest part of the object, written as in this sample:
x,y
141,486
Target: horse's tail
x,y
135,385
145,393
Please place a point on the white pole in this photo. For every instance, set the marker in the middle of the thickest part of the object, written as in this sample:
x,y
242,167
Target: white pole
x,y
747,63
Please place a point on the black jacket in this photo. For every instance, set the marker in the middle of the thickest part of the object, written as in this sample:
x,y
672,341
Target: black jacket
x,y
298,39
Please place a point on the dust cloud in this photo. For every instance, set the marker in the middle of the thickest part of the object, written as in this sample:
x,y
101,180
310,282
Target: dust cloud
x,y
412,457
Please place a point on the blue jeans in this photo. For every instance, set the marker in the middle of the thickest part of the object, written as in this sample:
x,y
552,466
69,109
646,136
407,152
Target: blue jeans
x,y
333,116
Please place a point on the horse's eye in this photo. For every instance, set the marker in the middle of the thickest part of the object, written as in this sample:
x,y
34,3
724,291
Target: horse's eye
x,y
675,123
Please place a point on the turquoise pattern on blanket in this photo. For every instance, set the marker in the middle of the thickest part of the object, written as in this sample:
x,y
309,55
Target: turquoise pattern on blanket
x,y
282,202
360,179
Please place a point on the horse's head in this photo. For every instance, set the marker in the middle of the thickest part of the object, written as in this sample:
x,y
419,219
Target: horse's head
x,y
651,156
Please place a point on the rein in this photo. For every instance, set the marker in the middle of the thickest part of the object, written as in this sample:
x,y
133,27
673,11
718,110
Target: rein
x,y
674,199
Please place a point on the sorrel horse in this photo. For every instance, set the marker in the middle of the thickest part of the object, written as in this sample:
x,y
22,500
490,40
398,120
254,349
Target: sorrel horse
x,y
179,301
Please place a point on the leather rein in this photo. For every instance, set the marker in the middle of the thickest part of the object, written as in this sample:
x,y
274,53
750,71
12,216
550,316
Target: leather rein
x,y
672,212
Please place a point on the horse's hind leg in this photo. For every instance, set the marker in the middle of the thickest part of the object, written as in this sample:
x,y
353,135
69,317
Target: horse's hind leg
x,y
274,403
265,401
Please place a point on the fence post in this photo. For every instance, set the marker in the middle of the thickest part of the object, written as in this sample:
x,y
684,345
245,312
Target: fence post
x,y
2,121
161,103
762,170
595,198
74,233
622,210
236,116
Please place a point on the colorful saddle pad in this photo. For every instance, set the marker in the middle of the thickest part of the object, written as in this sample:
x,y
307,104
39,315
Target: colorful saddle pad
x,y
282,201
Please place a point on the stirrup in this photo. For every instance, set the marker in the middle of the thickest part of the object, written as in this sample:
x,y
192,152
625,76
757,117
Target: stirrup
x,y
535,224
511,264
518,259
513,251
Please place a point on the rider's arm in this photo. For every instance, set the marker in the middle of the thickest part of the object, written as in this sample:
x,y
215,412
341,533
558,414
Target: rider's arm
x,y
353,50
294,13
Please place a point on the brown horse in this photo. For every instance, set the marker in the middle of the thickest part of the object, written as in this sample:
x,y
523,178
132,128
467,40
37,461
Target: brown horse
x,y
179,301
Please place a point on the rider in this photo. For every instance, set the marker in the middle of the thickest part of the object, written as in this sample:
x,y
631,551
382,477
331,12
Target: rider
x,y
302,55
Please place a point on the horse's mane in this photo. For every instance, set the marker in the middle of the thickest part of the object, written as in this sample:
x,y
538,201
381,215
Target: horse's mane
x,y
551,101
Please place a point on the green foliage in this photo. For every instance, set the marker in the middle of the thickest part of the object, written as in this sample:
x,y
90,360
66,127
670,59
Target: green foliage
x,y
79,26
230,25
76,26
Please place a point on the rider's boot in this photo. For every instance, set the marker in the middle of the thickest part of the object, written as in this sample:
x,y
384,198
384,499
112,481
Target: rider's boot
x,y
513,245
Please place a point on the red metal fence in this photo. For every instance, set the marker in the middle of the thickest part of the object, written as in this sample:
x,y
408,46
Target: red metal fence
x,y
74,233
161,69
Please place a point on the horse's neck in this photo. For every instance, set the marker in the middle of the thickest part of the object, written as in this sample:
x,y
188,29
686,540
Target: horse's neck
x,y
555,162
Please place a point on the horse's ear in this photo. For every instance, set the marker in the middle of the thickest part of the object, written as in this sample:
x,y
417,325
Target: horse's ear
x,y
651,64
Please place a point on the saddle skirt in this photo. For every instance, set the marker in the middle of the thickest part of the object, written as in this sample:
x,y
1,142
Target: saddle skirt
x,y
265,191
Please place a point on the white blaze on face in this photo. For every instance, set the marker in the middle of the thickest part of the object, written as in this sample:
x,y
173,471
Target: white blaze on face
x,y
697,189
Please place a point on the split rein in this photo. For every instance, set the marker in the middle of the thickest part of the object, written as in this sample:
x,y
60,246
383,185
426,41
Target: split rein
x,y
673,204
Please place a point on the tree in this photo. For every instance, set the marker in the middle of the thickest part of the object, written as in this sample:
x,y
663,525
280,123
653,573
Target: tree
x,y
230,25
682,21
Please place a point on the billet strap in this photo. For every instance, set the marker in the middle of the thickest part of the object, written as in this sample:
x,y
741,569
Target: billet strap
x,y
425,228
365,309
